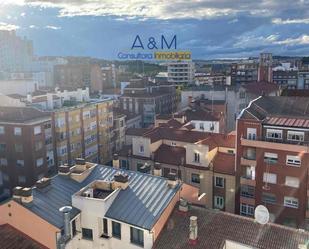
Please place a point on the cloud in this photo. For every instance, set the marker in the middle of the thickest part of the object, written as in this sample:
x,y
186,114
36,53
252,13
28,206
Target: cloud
x,y
290,21
33,27
163,9
7,26
23,14
52,27
301,40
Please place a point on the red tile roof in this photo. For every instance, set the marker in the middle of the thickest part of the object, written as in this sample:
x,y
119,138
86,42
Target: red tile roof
x,y
172,123
261,88
170,154
11,238
219,140
215,227
224,163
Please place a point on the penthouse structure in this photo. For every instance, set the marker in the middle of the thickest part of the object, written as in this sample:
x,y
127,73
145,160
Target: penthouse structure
x,y
204,160
273,158
95,206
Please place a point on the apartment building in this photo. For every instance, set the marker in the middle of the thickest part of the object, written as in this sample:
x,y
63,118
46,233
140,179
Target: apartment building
x,y
212,79
273,158
286,78
303,79
16,53
95,206
204,160
71,76
83,130
265,67
244,72
181,72
148,99
26,147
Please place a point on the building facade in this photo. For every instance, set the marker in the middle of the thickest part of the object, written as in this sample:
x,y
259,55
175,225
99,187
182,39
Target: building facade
x,y
181,72
273,157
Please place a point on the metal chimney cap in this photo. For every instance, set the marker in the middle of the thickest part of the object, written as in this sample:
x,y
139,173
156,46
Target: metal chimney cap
x,y
65,209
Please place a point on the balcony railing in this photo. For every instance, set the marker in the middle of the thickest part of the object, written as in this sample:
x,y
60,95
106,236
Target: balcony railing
x,y
247,180
248,161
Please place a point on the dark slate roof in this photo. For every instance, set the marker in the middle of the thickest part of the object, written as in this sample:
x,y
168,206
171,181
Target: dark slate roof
x,y
20,114
12,238
170,154
261,88
215,227
141,204
266,108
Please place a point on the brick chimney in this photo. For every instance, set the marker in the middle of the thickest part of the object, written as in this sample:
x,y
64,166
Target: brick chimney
x,y
157,171
172,180
23,195
121,180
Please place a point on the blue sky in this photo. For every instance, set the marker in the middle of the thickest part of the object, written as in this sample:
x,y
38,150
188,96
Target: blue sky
x,y
209,28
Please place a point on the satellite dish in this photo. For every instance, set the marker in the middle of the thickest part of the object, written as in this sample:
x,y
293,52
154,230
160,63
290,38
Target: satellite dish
x,y
261,214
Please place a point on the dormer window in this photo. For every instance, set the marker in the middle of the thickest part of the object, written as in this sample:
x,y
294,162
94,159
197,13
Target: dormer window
x,y
295,136
274,134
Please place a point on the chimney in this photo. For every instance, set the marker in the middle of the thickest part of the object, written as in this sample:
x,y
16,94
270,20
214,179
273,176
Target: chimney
x,y
29,98
64,170
66,210
171,180
183,205
50,102
121,180
80,161
193,230
43,185
157,171
116,161
23,195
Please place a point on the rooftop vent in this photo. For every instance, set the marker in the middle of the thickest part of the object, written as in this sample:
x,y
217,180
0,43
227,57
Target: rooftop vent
x,y
80,161
43,184
157,171
145,168
116,161
183,205
64,170
193,230
172,180
121,180
66,210
81,170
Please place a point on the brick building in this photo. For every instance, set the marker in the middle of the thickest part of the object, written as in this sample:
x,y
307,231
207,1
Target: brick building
x,y
273,158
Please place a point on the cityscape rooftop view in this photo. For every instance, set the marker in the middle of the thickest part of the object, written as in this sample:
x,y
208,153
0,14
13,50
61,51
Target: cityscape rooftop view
x,y
157,125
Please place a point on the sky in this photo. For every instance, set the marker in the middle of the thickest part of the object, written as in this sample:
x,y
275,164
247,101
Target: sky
x,y
208,28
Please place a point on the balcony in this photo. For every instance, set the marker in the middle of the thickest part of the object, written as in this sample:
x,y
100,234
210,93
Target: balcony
x,y
244,180
248,161
246,200
276,144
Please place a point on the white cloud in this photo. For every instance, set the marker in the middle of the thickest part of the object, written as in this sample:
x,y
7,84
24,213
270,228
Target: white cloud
x,y
23,14
52,27
301,40
33,27
7,26
290,21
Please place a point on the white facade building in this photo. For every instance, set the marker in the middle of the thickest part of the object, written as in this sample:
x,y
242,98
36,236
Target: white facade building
x,y
181,72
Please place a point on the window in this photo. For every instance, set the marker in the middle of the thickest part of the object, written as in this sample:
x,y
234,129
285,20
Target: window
x,y
219,182
293,160
37,130
195,178
295,136
105,226
21,179
17,131
251,133
173,144
270,158
18,147
290,202
246,209
201,126
268,198
196,157
116,229
2,131
3,147
274,134
124,164
230,151
20,163
3,162
247,191
141,148
270,178
74,228
39,162
38,145
292,181
87,233
137,236
219,202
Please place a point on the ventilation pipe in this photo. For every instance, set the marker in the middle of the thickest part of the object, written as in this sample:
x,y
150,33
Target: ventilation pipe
x,y
116,161
66,211
193,230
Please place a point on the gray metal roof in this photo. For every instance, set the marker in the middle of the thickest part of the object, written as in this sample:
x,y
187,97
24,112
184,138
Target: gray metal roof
x,y
141,204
